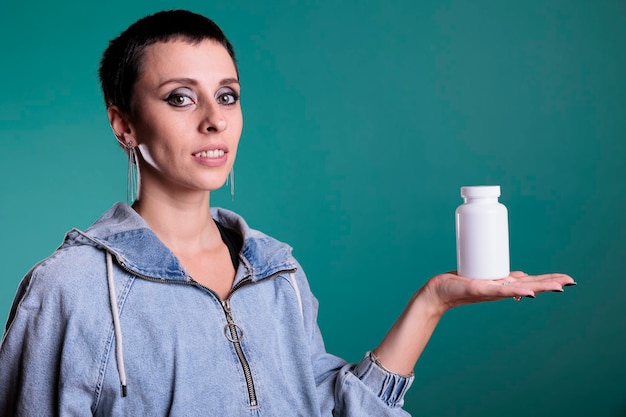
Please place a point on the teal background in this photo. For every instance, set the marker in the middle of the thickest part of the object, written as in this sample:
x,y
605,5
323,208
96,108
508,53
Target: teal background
x,y
362,120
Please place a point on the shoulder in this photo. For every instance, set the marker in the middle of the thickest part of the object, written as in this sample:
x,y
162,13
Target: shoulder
x,y
67,272
72,281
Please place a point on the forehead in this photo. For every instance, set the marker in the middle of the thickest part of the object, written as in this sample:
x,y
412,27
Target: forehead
x,y
205,60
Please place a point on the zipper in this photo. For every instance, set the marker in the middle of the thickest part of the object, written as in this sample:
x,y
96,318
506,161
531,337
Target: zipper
x,y
232,331
234,334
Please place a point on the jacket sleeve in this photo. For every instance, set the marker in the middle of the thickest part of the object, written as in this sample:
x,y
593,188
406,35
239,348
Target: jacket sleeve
x,y
34,354
346,389
16,379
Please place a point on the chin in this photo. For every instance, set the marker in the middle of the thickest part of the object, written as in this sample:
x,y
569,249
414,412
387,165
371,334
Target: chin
x,y
214,185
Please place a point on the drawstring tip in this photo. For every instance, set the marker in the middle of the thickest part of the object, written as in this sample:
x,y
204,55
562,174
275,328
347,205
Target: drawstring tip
x,y
123,391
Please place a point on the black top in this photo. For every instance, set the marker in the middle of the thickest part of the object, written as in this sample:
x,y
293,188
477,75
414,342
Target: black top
x,y
233,241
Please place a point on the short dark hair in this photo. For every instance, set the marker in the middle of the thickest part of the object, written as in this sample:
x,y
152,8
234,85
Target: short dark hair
x,y
122,60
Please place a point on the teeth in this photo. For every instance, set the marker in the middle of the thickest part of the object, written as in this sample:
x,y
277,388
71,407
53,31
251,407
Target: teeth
x,y
213,153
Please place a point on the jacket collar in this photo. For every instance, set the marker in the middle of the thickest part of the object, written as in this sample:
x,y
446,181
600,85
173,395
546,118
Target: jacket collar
x,y
123,233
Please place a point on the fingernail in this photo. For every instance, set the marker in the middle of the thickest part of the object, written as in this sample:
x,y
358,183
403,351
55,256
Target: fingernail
x,y
530,296
570,284
561,290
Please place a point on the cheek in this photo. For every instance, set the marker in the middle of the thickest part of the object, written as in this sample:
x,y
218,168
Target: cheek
x,y
142,124
153,133
154,146
236,126
236,138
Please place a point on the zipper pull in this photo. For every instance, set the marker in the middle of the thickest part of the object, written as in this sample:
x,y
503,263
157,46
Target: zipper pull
x,y
232,331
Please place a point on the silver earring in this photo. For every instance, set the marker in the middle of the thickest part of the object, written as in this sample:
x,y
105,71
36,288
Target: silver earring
x,y
231,177
133,182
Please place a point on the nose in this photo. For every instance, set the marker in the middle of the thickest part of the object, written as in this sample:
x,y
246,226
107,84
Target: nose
x,y
213,120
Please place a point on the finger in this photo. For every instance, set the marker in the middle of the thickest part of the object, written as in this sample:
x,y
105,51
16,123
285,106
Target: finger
x,y
562,279
527,287
540,286
510,288
518,284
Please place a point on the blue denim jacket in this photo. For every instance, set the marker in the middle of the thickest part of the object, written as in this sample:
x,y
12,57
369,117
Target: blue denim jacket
x,y
113,307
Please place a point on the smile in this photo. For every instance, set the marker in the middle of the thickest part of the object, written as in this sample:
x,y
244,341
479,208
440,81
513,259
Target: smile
x,y
214,153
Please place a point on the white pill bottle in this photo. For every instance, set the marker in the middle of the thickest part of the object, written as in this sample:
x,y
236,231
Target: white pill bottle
x,y
482,234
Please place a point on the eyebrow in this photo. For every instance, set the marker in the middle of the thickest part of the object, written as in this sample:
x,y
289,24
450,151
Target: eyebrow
x,y
193,81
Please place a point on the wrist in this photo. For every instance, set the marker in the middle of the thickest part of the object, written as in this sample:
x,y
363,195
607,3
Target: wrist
x,y
427,300
405,341
374,359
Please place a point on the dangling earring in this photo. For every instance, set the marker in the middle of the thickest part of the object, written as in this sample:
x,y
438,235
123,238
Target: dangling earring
x,y
133,177
133,182
231,178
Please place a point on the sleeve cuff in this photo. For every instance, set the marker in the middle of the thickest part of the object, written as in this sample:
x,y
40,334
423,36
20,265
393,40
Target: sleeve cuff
x,y
388,386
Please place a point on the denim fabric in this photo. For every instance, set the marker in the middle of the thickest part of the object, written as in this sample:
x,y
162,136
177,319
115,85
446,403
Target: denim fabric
x,y
58,355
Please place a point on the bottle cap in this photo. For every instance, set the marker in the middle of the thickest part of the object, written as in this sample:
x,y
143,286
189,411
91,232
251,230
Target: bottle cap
x,y
480,191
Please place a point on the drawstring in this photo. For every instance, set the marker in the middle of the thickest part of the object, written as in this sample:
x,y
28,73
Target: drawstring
x,y
292,278
119,353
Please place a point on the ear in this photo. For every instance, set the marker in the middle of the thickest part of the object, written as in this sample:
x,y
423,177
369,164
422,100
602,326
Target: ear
x,y
120,123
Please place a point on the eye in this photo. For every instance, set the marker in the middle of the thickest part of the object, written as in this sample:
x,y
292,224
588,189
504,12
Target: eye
x,y
180,98
226,96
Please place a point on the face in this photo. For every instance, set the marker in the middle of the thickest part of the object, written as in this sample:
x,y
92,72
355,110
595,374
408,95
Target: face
x,y
186,116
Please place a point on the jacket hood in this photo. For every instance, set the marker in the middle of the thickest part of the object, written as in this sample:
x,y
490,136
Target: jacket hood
x,y
124,233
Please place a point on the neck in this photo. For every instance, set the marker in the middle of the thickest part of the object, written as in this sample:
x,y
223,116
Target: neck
x,y
182,222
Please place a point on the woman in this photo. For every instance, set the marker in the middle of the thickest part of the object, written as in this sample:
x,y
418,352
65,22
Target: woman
x,y
170,307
